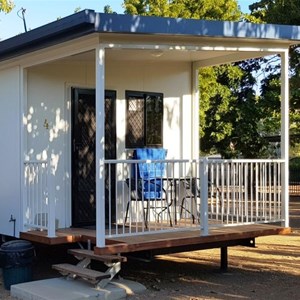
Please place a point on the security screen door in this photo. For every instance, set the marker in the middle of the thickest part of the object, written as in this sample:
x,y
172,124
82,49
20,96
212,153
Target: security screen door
x,y
84,152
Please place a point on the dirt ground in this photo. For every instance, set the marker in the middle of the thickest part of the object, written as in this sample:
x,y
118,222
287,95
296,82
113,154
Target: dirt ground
x,y
271,270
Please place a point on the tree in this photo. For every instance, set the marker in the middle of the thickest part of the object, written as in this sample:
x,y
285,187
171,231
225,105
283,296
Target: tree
x,y
277,11
230,108
229,116
196,9
6,5
280,12
108,10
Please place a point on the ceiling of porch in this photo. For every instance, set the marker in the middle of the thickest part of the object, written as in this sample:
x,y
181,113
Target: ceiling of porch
x,y
207,57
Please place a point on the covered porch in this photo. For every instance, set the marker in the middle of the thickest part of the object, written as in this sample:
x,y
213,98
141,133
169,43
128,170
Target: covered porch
x,y
209,200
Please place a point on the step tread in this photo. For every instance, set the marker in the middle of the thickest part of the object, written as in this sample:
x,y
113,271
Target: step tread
x,y
69,269
84,253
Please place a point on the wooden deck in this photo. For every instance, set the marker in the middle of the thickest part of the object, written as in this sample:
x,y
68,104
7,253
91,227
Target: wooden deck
x,y
170,242
63,236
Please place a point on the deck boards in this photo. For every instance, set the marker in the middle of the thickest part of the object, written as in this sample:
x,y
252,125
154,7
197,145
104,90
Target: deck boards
x,y
182,238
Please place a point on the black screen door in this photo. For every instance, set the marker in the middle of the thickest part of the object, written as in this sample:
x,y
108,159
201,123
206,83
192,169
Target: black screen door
x,y
84,151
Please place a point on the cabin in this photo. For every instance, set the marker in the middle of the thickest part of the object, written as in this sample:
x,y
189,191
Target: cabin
x,y
100,136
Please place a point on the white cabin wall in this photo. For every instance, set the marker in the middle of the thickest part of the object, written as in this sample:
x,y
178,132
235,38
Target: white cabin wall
x,y
10,157
48,98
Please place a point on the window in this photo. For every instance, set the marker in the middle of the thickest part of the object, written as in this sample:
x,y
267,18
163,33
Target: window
x,y
144,126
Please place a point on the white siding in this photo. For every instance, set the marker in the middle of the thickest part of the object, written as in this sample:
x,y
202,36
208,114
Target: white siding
x,y
48,100
10,161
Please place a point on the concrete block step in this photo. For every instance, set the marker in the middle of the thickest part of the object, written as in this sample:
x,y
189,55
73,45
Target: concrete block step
x,y
68,269
62,289
83,253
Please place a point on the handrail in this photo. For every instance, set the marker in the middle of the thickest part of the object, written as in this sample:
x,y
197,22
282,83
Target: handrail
x,y
231,192
39,206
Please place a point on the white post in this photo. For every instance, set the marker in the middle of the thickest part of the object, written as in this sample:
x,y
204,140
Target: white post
x,y
195,112
51,200
100,146
285,136
203,174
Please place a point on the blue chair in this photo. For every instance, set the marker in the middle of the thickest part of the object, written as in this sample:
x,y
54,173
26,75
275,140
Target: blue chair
x,y
147,182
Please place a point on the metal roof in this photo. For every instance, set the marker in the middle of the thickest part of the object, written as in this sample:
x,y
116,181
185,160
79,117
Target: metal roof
x,y
88,21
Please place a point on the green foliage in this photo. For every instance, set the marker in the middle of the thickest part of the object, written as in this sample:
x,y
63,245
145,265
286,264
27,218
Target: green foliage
x,y
6,5
294,163
195,9
270,105
147,7
280,12
229,112
108,10
295,149
277,11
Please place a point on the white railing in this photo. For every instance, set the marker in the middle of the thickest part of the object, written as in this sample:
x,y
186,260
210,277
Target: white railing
x,y
232,192
137,206
38,206
189,194
244,191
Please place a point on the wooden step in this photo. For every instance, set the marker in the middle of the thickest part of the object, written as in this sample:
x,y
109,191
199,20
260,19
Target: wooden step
x,y
68,269
83,253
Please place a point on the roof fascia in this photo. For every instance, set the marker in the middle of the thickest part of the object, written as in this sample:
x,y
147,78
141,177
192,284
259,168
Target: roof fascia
x,y
54,52
170,26
59,31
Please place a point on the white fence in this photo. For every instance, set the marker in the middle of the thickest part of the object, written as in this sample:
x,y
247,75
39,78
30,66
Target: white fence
x,y
38,205
244,191
178,194
190,194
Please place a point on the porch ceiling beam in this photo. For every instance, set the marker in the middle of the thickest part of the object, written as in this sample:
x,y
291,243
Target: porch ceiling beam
x,y
230,58
240,53
191,47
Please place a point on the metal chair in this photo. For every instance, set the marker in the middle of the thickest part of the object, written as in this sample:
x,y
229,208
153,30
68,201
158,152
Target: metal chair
x,y
147,184
189,189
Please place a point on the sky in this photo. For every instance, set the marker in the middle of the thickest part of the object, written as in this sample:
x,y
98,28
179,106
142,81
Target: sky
x,y
40,12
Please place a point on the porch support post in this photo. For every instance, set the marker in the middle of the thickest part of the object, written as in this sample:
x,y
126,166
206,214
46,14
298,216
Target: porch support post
x,y
285,136
100,123
195,112
204,195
